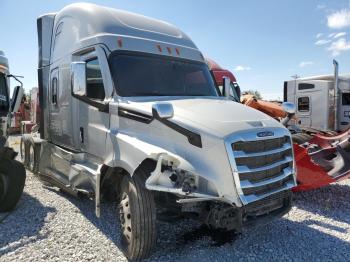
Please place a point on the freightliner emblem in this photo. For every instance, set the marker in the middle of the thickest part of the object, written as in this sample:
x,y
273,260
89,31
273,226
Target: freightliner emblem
x,y
265,133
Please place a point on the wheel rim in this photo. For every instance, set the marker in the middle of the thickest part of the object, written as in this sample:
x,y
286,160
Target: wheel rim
x,y
31,158
125,218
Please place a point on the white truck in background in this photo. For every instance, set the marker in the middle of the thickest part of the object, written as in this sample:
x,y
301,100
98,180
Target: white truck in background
x,y
322,102
130,113
12,172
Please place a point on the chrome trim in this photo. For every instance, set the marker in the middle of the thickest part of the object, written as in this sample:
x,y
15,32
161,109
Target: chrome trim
x,y
245,169
284,174
242,154
251,135
253,198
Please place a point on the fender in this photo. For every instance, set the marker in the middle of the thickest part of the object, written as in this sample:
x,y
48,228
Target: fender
x,y
130,152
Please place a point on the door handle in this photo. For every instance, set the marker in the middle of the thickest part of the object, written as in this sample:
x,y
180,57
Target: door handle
x,y
82,135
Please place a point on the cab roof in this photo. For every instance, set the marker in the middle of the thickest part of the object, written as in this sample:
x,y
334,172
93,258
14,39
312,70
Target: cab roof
x,y
88,20
345,77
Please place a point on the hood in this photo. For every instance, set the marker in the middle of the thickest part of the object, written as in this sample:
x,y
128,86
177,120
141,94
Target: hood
x,y
219,117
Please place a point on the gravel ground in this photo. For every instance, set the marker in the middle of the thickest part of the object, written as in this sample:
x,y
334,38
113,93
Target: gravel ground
x,y
53,226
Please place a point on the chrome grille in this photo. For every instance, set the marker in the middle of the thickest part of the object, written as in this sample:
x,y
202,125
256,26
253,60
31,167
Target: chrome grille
x,y
261,166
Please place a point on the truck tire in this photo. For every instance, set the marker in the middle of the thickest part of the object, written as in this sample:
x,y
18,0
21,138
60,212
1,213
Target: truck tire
x,y
32,158
137,215
12,179
22,150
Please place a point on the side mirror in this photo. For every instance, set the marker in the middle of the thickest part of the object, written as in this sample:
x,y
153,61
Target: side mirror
x,y
16,98
162,110
226,86
289,107
78,78
238,90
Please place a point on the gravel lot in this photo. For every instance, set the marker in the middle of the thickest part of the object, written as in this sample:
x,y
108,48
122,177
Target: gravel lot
x,y
53,226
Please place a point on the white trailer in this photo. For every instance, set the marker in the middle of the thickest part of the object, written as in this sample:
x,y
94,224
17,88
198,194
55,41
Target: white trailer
x,y
130,113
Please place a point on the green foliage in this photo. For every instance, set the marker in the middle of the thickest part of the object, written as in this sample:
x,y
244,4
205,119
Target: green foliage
x,y
254,93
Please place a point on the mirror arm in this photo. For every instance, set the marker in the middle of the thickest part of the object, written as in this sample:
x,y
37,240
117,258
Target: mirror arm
x,y
16,78
286,120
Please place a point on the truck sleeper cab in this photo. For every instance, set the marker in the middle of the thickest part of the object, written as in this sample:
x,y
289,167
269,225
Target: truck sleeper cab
x,y
323,102
130,113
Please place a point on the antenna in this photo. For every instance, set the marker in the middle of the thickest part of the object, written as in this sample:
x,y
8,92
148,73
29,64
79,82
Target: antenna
x,y
295,77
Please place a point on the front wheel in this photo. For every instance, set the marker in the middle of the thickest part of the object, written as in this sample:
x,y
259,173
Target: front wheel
x,y
137,215
12,179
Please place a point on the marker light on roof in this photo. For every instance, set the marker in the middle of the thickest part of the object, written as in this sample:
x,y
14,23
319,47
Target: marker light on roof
x,y
120,43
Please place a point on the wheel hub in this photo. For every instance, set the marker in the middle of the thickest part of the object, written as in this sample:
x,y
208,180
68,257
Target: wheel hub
x,y
125,217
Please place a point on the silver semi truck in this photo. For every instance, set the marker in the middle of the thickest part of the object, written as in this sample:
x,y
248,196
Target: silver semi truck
x,y
12,172
130,113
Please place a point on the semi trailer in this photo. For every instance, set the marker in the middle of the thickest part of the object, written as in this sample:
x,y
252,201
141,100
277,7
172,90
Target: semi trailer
x,y
12,172
131,114
322,155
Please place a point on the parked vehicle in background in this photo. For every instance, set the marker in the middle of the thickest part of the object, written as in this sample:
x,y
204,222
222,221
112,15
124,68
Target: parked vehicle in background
x,y
31,116
323,102
12,172
130,113
322,155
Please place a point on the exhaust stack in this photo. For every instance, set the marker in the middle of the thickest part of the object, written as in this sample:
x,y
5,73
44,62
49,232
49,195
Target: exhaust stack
x,y
336,94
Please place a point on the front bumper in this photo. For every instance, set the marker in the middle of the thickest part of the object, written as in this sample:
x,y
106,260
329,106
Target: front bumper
x,y
223,216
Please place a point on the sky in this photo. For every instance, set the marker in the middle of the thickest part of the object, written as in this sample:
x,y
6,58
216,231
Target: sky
x,y
262,42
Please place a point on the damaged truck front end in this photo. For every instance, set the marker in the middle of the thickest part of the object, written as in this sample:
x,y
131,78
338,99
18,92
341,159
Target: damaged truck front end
x,y
131,114
262,173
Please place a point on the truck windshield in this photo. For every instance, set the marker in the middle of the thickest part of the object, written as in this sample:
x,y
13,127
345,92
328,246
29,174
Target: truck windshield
x,y
4,106
156,76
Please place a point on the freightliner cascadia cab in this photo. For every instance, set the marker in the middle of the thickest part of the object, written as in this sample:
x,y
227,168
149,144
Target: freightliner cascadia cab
x,y
131,114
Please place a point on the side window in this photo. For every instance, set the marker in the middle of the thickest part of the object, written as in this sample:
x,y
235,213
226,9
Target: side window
x,y
304,86
346,99
221,89
54,85
94,82
235,91
303,104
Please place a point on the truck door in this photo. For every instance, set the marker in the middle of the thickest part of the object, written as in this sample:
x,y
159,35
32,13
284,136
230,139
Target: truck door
x,y
4,97
304,110
344,117
92,117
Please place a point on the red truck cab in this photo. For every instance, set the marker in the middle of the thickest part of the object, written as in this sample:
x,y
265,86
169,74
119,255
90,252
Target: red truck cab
x,y
219,73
